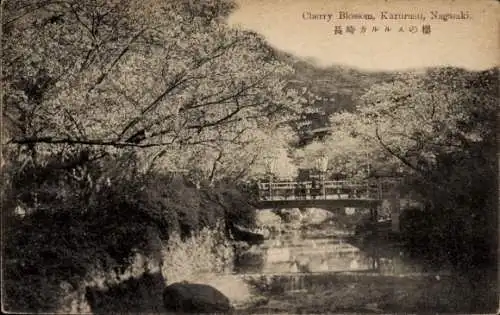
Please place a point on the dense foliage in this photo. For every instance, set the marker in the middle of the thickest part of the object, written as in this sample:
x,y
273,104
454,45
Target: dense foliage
x,y
438,130
170,78
64,241
125,122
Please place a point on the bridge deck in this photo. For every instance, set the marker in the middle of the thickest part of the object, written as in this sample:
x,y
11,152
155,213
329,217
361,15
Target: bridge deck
x,y
364,194
318,203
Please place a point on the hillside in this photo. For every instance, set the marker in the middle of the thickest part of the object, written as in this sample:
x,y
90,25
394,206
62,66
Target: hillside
x,y
327,90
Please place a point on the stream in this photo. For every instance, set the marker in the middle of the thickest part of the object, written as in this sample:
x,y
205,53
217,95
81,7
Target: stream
x,y
326,269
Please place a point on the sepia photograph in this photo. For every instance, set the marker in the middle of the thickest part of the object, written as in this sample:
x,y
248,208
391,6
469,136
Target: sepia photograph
x,y
249,157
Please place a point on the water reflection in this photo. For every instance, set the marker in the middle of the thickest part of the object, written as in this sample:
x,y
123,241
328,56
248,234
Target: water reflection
x,y
312,252
319,255
328,269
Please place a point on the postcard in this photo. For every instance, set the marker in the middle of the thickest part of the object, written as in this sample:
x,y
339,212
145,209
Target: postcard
x,y
249,156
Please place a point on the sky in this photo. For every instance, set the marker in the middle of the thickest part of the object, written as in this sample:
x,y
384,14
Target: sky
x,y
296,26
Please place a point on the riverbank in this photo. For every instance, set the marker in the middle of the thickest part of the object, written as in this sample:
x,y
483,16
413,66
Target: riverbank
x,y
370,292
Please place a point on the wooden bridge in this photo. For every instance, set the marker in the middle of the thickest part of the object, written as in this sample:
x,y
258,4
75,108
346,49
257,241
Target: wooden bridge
x,y
340,193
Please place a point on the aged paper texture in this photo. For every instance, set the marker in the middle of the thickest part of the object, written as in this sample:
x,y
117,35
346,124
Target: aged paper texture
x,y
249,156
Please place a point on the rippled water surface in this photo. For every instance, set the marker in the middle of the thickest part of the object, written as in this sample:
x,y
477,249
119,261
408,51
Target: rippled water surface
x,y
327,270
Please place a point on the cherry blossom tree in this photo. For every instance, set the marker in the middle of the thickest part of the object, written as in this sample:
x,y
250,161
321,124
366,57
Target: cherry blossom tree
x,y
135,74
438,130
419,118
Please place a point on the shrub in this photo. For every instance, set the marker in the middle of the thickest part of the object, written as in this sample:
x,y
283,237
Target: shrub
x,y
207,252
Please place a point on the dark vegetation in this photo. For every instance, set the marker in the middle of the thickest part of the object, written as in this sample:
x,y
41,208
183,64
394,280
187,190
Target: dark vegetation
x,y
133,295
74,231
372,293
458,186
459,223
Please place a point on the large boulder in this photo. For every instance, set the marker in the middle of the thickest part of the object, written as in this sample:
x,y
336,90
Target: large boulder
x,y
195,298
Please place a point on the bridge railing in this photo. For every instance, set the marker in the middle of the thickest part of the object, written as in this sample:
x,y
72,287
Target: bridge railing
x,y
340,189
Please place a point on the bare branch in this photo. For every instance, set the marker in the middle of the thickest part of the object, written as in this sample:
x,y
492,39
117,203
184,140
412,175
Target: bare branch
x,y
69,141
78,126
117,59
244,171
214,167
155,158
77,16
235,96
393,153
180,79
